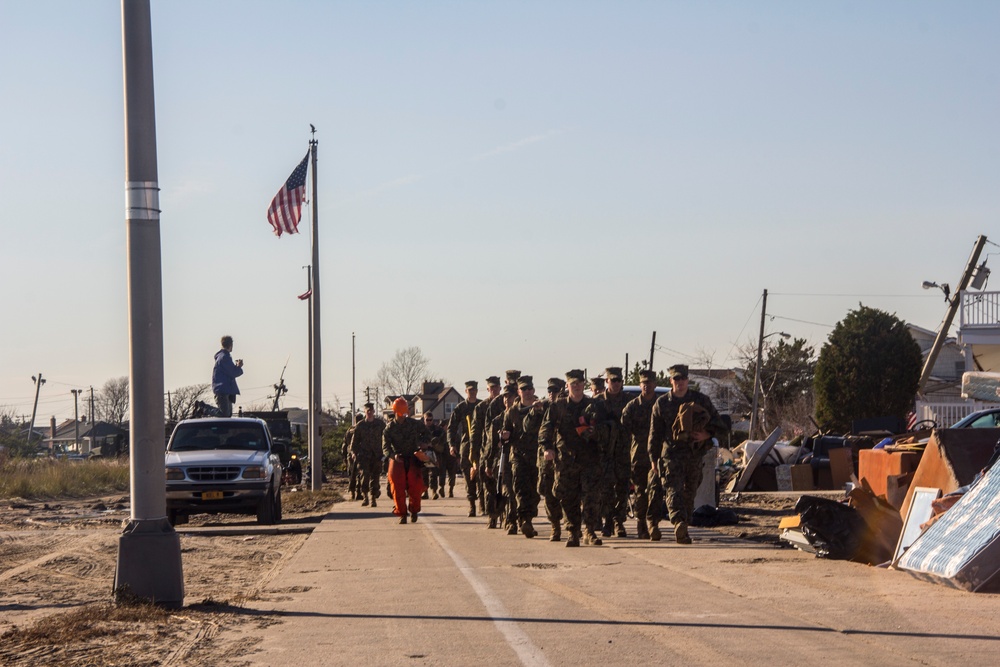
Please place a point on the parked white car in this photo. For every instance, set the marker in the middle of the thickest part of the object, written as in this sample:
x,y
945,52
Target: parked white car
x,y
223,465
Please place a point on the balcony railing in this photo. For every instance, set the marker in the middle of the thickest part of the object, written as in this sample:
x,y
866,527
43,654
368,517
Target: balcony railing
x,y
979,310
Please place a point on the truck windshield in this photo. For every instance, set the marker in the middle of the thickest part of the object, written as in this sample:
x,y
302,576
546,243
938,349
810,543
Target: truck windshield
x,y
189,437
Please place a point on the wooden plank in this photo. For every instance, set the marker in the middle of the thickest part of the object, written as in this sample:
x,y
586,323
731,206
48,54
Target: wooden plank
x,y
740,483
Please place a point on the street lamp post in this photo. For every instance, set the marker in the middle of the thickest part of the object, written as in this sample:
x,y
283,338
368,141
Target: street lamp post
x,y
756,378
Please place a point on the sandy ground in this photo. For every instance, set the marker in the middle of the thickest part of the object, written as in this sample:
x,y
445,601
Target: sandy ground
x,y
57,562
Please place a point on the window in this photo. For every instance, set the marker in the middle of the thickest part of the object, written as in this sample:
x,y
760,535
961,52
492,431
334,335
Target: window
x,y
448,409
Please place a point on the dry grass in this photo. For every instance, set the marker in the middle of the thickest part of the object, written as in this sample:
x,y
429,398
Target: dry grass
x,y
53,478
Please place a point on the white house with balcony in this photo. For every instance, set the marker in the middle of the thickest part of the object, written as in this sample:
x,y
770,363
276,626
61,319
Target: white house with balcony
x,y
975,348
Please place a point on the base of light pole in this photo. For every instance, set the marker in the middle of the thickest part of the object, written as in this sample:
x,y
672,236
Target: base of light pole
x,y
149,563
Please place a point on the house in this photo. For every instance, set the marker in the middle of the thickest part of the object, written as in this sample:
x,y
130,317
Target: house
x,y
975,348
95,437
298,418
719,384
435,398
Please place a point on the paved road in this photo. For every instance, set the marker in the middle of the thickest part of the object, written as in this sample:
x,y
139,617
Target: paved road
x,y
364,590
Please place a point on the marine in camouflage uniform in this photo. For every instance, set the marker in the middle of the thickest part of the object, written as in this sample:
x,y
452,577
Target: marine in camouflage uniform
x,y
481,418
433,475
680,452
490,460
572,429
353,488
523,443
617,457
366,449
547,462
460,439
449,464
645,480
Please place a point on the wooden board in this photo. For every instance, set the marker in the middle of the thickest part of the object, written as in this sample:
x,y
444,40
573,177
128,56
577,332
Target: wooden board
x,y
740,483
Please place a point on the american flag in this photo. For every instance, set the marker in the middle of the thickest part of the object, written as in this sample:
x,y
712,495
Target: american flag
x,y
911,420
286,207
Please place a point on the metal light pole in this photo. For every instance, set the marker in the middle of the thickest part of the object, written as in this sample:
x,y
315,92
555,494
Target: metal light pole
x,y
149,550
354,393
76,416
316,357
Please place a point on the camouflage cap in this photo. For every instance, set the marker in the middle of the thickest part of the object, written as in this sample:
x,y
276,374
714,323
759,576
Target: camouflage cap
x,y
525,382
510,389
471,384
613,373
597,382
677,371
512,376
555,385
370,405
575,375
647,376
493,380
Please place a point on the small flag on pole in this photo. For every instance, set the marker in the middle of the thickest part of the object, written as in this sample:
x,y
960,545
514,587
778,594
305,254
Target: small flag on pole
x,y
911,420
286,207
305,295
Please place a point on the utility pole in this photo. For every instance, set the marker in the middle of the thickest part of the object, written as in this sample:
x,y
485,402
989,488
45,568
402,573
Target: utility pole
x,y
39,381
756,375
93,426
652,348
953,303
76,416
149,550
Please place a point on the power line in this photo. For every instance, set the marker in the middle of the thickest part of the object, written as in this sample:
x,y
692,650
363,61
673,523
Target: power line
x,y
862,296
792,319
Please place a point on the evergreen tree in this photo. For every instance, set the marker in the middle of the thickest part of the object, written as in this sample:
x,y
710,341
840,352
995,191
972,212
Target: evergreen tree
x,y
869,367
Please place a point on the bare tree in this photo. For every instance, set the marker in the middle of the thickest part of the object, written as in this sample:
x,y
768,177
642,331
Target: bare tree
x,y
404,373
112,401
181,401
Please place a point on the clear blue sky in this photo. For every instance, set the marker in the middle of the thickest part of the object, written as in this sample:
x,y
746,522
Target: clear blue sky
x,y
532,185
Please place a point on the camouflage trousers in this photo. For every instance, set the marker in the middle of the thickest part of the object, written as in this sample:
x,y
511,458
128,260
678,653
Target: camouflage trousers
x,y
546,489
681,466
578,487
648,493
471,484
432,477
353,486
449,469
369,471
524,487
617,478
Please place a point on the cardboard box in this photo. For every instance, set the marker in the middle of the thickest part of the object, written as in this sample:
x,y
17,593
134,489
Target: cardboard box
x,y
794,477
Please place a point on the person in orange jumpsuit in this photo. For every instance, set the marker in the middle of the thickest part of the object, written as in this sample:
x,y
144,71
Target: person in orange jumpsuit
x,y
402,439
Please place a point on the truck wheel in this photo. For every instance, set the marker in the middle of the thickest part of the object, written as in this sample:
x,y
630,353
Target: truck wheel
x,y
266,510
277,507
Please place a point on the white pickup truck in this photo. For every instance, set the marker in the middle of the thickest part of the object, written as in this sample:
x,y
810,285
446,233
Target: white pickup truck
x,y
223,465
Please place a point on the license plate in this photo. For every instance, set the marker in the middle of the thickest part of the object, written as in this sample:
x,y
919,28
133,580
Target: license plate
x,y
211,495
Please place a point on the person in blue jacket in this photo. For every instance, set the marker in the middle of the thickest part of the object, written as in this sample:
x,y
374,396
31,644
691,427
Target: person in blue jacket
x,y
224,376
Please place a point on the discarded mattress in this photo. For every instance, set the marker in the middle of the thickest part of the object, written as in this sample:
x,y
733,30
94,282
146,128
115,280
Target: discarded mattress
x,y
981,386
962,548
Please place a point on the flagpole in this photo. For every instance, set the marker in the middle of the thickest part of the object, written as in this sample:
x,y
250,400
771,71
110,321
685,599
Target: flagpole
x,y
316,396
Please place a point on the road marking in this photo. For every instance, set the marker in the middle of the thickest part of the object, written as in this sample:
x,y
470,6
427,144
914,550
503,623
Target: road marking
x,y
529,654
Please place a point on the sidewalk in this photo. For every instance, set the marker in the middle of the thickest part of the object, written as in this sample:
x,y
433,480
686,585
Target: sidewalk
x,y
364,590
